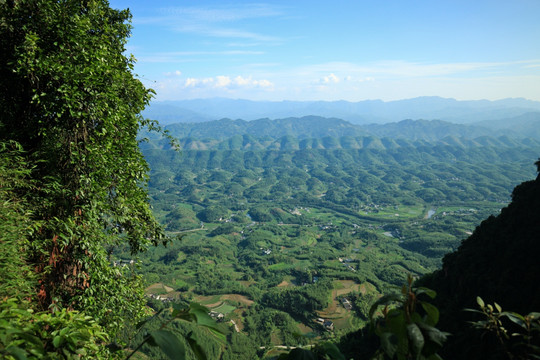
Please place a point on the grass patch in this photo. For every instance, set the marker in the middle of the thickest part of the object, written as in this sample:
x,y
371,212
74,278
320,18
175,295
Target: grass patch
x,y
224,308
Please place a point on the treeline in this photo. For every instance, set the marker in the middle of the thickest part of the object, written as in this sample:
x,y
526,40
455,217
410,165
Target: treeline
x,y
308,128
326,142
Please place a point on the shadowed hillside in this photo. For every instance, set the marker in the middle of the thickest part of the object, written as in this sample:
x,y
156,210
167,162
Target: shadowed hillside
x,y
498,262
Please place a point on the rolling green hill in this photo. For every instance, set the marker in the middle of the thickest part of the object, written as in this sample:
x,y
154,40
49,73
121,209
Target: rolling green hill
x,y
266,216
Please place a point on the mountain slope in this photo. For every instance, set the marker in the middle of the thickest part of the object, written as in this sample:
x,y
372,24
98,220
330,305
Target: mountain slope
x,y
498,262
429,130
316,127
527,124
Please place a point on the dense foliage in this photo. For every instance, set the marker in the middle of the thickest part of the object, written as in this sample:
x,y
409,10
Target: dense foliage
x,y
69,107
499,263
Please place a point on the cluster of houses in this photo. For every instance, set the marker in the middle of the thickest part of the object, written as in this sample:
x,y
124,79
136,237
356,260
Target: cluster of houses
x,y
163,298
217,316
346,262
296,211
329,325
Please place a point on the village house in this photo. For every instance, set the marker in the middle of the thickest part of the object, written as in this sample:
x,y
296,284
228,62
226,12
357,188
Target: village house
x,y
346,303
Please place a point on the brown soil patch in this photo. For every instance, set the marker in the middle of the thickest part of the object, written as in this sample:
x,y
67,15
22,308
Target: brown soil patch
x,y
239,298
158,287
334,311
233,297
340,292
284,283
214,304
203,298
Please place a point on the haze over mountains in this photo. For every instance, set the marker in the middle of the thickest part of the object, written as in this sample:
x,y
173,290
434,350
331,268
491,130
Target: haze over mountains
x,y
501,114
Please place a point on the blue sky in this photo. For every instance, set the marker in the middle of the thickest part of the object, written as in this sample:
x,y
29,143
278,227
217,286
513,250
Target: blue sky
x,y
337,50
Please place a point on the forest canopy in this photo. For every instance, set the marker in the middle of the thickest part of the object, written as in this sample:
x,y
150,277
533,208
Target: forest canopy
x,y
69,118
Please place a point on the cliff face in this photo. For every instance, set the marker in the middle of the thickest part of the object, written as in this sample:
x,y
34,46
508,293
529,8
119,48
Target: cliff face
x,y
499,262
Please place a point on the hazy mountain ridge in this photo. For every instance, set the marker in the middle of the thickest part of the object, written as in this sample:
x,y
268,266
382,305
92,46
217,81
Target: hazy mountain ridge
x,y
301,128
289,143
321,133
362,112
431,130
528,123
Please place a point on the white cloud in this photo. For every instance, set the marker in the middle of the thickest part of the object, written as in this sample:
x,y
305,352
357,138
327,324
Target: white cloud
x,y
173,73
388,80
226,82
242,81
222,81
332,78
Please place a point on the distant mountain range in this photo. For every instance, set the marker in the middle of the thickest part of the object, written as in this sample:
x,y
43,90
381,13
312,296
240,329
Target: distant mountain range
x,y
314,132
499,112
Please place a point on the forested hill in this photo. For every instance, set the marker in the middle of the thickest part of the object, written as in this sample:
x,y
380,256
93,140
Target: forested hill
x,y
304,127
322,133
498,262
432,130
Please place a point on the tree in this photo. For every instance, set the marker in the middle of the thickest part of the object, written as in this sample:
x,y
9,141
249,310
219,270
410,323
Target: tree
x,y
69,98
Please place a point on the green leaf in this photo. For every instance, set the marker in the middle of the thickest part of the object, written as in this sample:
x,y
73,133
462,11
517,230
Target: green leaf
x,y
168,343
432,313
480,302
422,290
389,343
433,334
534,316
384,300
200,314
57,341
16,352
515,318
416,338
473,310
